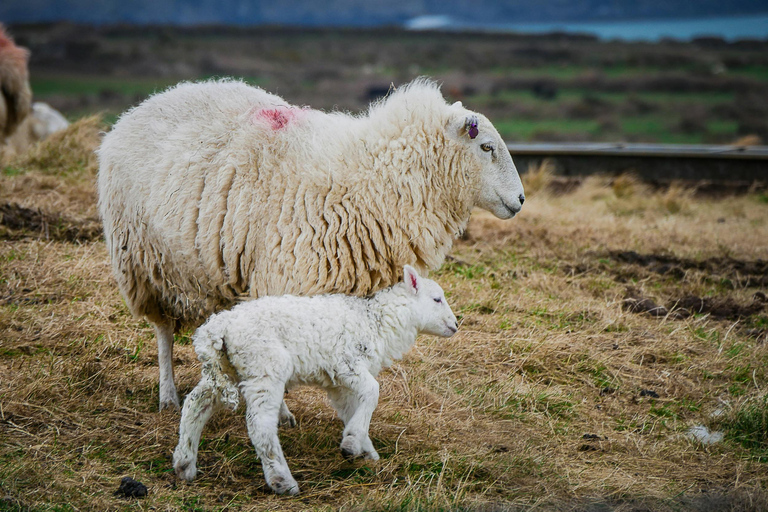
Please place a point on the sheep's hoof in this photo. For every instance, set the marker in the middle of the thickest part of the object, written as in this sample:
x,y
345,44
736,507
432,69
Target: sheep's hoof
x,y
284,485
171,403
371,455
287,420
185,470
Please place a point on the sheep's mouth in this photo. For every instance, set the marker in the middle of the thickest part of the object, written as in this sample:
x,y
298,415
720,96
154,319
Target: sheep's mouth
x,y
513,211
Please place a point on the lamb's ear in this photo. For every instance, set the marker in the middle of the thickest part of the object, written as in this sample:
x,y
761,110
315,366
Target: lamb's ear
x,y
411,278
457,104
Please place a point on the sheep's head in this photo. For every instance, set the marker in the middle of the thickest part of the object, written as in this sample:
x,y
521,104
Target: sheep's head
x,y
500,190
433,314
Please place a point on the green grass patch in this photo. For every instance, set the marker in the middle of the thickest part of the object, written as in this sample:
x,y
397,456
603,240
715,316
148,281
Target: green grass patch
x,y
528,129
748,426
86,85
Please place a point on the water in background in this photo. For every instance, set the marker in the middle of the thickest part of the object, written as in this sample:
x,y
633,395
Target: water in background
x,y
729,28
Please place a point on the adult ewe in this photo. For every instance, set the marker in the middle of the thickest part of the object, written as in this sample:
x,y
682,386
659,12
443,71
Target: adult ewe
x,y
15,93
217,189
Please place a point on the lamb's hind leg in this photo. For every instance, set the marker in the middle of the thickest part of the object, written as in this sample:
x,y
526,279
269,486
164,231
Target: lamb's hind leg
x,y
199,405
168,395
264,398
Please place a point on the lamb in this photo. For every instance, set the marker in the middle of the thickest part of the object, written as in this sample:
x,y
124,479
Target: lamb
x,y
16,97
214,191
337,342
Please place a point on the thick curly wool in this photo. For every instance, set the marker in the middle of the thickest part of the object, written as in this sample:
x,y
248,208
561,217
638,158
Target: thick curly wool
x,y
326,203
16,97
337,342
214,190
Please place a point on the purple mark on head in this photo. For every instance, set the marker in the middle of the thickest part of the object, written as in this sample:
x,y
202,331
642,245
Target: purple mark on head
x,y
472,127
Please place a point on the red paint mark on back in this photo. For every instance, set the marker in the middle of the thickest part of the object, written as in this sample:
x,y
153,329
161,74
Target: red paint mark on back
x,y
277,118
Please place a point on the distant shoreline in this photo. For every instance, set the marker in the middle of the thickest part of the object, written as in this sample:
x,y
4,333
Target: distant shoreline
x,y
730,28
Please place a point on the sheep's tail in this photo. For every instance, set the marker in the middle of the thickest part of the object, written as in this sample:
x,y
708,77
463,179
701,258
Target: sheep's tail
x,y
216,367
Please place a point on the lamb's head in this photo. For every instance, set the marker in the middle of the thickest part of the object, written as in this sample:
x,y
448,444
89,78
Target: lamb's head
x,y
431,311
499,189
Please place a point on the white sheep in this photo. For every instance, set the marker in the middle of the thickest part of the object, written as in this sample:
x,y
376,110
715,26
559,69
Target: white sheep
x,y
337,342
215,190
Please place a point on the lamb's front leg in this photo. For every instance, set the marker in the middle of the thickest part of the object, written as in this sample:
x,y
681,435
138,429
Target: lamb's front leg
x,y
355,400
263,398
199,405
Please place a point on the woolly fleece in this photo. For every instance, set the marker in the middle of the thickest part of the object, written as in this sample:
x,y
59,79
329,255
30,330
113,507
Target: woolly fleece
x,y
217,189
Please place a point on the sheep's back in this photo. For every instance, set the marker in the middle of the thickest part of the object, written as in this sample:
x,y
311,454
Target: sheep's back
x,y
159,164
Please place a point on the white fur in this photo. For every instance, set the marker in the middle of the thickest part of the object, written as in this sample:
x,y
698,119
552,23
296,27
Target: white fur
x,y
337,342
203,199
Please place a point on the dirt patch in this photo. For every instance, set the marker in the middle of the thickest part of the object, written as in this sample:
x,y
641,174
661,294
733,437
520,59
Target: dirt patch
x,y
719,308
20,222
746,273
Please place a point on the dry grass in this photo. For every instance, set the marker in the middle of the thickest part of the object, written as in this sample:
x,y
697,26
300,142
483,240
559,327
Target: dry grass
x,y
553,395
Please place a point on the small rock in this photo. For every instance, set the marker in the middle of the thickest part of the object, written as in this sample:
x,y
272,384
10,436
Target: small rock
x,y
649,392
607,391
702,434
130,488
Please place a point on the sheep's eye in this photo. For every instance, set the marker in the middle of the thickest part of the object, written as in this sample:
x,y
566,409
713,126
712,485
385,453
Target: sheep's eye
x,y
438,300
486,147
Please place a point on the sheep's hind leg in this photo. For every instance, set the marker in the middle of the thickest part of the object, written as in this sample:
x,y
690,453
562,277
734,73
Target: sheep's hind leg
x,y
287,419
199,405
355,402
264,399
168,395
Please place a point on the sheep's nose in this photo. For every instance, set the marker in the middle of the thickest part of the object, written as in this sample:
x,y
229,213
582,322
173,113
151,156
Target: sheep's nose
x,y
522,199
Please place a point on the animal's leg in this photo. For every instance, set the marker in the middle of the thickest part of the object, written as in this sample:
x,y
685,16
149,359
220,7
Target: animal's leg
x,y
263,397
355,400
199,405
168,395
287,419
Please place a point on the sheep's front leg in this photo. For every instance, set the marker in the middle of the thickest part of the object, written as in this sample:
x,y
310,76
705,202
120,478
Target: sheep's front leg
x,y
355,400
168,395
264,399
199,405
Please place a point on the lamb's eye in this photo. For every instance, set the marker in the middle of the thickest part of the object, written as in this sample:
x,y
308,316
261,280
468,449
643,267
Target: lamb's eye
x,y
438,300
486,147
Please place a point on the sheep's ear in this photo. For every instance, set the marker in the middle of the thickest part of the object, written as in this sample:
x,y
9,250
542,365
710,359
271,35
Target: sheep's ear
x,y
465,126
411,278
457,104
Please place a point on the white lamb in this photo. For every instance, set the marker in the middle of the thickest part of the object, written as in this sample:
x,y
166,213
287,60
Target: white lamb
x,y
337,342
215,190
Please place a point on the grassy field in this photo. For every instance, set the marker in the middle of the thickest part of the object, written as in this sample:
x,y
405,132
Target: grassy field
x,y
535,88
596,330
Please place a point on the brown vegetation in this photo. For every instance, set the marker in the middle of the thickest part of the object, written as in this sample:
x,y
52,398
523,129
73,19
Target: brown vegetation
x,y
553,395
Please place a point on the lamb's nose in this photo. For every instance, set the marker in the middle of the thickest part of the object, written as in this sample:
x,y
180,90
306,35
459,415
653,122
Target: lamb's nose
x,y
522,199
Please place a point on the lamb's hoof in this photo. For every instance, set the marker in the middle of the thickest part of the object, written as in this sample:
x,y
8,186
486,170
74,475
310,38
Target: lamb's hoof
x,y
372,455
284,485
350,448
185,470
288,420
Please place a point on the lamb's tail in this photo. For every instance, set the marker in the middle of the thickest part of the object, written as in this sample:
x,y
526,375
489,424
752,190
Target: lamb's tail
x,y
210,349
